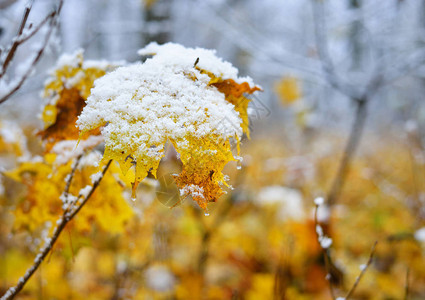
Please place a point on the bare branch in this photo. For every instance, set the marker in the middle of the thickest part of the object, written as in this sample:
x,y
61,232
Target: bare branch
x,y
406,285
67,216
95,184
70,178
322,47
23,38
324,251
350,148
408,65
52,18
363,271
15,44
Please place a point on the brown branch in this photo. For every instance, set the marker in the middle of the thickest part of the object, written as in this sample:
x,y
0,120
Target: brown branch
x,y
322,47
363,271
335,82
67,216
360,98
324,251
406,285
349,150
52,17
16,43
70,177
36,29
95,184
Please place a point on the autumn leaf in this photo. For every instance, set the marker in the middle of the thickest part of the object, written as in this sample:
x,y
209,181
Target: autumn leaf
x,y
172,97
234,93
44,200
67,90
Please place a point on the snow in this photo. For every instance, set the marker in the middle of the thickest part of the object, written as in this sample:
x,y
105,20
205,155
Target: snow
x,y
11,133
74,61
180,57
160,278
69,59
194,190
420,235
85,191
102,64
325,242
8,293
73,81
145,104
290,200
96,177
319,230
411,126
70,149
90,159
319,201
323,214
23,67
67,200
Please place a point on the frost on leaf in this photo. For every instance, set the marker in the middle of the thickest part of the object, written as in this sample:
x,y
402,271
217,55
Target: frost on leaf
x,y
189,97
67,90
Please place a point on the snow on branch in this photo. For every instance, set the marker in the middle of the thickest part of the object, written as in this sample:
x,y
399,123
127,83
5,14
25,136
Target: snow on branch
x,y
25,32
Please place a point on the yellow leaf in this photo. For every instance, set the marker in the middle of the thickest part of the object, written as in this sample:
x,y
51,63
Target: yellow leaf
x,y
67,90
155,102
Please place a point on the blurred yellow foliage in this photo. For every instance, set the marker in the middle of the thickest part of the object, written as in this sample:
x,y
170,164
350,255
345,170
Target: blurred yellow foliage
x,y
107,210
288,90
250,244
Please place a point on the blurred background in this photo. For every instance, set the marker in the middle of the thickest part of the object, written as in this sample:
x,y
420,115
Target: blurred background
x,y
341,115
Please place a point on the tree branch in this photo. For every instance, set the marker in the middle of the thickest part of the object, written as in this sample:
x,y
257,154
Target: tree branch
x,y
360,98
363,271
324,250
16,42
322,48
406,285
20,39
67,216
350,148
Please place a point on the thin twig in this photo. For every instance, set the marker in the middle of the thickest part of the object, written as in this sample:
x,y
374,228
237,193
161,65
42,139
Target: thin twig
x,y
349,150
406,285
360,99
67,216
23,39
70,177
52,17
334,81
15,44
363,271
325,58
325,253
